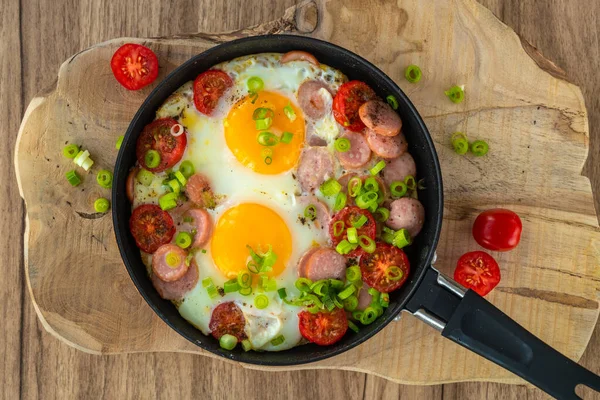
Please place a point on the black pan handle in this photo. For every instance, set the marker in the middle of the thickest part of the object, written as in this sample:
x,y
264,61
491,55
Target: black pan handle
x,y
471,321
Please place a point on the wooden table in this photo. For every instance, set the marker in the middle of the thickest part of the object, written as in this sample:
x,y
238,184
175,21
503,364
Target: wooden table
x,y
35,37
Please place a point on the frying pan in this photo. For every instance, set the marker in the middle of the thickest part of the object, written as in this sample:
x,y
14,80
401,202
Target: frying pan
x,y
460,315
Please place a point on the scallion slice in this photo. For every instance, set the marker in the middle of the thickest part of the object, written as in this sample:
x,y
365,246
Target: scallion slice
x,y
101,205
83,160
228,342
73,178
187,169
479,148
459,143
384,300
168,201
310,212
247,291
340,201
255,84
392,101
174,186
152,159
303,284
244,279
70,150
378,168
262,113
278,340
413,73
394,273
212,291
345,247
359,222
366,199
262,124
342,145
411,183
354,186
338,228
261,301
282,293
286,137
401,238
183,240
398,189
246,345
371,185
352,234
368,316
206,282
289,112
353,274
353,326
456,94
330,187
267,139
382,214
119,142
366,243
180,178
104,178
231,286
267,155
351,303
145,177
347,292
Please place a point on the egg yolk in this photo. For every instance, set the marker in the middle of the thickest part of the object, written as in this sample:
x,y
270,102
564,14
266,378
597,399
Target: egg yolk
x,y
251,225
241,134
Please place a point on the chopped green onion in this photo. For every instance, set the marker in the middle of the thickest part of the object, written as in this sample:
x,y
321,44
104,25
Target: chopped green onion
x,y
384,300
340,201
289,112
189,258
320,287
228,342
368,316
413,73
246,345
70,150
183,240
366,199
174,186
401,239
374,294
303,284
347,292
152,159
212,291
377,168
456,94
336,283
371,184
382,214
247,291
282,293
354,186
261,301
244,279
255,84
119,142
262,113
168,201
342,145
267,155
345,247
278,340
180,178
262,124
231,286
73,178
338,228
187,169
357,315
310,212
398,189
366,243
392,101
267,139
394,273
338,303
351,303
331,187
83,160
353,326
269,285
459,143
353,274
101,205
479,148
411,183
360,221
206,282
352,234
329,304
373,206
145,177
286,137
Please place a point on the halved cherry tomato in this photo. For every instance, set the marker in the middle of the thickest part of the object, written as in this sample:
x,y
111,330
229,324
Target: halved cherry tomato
x,y
151,227
209,86
386,269
157,136
348,215
227,318
477,270
323,328
350,96
134,66
498,229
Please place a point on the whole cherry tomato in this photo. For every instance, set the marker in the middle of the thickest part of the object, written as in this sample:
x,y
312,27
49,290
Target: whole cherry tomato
x,y
498,229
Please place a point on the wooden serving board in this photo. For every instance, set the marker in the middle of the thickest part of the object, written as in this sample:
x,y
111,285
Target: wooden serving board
x,y
534,120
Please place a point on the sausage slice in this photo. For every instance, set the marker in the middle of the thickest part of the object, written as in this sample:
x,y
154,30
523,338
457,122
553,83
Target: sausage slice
x,y
298,55
172,269
380,118
358,155
406,213
314,98
176,290
199,192
386,146
325,263
314,168
399,168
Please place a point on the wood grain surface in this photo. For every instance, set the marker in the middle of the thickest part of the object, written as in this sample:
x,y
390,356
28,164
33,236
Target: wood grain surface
x,y
36,37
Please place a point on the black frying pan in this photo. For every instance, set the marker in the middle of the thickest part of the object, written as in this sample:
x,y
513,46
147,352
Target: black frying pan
x,y
459,314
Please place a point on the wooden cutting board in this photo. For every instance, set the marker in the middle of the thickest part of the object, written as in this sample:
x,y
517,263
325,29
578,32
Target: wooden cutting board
x,y
534,120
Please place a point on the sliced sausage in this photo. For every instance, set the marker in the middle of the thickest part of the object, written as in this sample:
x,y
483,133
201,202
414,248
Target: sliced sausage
x,y
314,98
130,184
161,267
386,146
399,168
304,260
406,213
227,318
202,223
325,263
380,117
298,55
199,192
364,298
314,140
177,289
359,153
323,216
314,168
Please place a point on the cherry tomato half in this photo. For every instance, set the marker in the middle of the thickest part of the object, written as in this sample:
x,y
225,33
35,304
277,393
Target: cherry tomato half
x,y
151,227
209,86
134,66
350,96
386,269
498,229
323,328
157,136
477,270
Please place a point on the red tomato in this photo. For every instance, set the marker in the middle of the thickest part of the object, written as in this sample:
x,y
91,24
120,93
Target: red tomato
x,y
151,227
348,215
477,270
134,66
376,268
498,229
157,136
350,96
209,86
227,318
323,328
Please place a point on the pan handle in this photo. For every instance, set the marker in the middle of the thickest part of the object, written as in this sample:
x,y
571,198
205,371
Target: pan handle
x,y
468,319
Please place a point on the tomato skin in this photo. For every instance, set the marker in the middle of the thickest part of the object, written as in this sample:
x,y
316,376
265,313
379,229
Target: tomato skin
x,y
151,227
348,214
323,328
477,270
134,66
157,136
373,267
350,96
209,86
498,229
227,318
